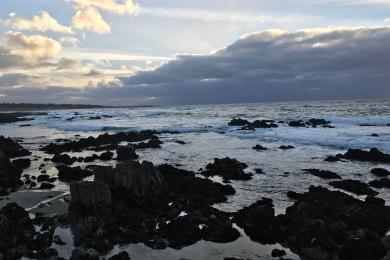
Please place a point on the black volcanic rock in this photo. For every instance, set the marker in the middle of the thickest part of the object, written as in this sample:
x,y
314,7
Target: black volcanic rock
x,y
254,124
354,186
140,183
259,222
9,175
90,197
382,183
229,169
323,174
22,163
152,143
126,152
106,156
11,148
286,147
259,148
63,158
120,256
106,141
296,123
380,172
373,155
69,174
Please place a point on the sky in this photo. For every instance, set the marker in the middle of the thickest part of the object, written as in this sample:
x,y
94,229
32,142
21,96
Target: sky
x,y
153,52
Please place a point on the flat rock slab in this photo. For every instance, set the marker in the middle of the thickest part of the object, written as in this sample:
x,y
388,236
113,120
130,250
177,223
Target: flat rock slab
x,y
30,200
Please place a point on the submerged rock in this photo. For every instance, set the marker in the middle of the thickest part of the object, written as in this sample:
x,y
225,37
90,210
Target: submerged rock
x,y
286,147
354,186
228,169
259,148
323,174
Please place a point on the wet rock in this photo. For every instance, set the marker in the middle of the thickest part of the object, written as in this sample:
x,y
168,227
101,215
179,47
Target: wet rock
x,y
354,186
315,229
380,172
46,186
16,231
106,156
296,123
9,175
140,183
254,124
11,148
373,155
259,222
90,198
335,158
286,147
259,148
314,122
374,201
278,253
14,117
22,163
152,143
69,174
102,140
323,174
126,153
293,195
382,183
91,158
45,178
228,169
259,171
84,254
63,158
121,256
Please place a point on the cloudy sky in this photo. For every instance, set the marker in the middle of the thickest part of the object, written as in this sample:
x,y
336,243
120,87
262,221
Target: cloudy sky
x,y
122,52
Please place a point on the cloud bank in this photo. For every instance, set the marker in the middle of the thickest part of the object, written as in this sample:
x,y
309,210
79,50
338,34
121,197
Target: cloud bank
x,y
272,65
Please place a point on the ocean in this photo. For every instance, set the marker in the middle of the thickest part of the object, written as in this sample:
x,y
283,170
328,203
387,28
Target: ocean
x,y
206,135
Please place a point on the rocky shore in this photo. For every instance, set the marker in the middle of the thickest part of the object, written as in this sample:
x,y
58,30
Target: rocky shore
x,y
163,206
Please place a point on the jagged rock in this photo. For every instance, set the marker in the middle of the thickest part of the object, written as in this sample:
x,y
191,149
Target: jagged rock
x,y
278,253
286,147
152,143
258,221
335,158
296,123
382,183
84,254
11,148
238,122
373,155
254,124
323,174
102,140
90,197
354,186
121,256
16,231
22,163
9,175
229,169
69,174
106,156
63,158
46,186
126,152
130,180
380,172
259,148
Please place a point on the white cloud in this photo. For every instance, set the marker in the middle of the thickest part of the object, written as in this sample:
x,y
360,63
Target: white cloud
x,y
90,19
33,49
42,23
69,41
127,7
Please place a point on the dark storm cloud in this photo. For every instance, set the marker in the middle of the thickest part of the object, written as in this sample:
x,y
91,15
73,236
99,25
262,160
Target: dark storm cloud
x,y
267,66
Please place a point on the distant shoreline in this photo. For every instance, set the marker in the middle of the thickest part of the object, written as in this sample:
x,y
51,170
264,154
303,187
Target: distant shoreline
x,y
13,107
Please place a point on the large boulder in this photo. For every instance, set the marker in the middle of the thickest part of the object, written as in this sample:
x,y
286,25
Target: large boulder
x,y
16,231
125,153
354,186
90,197
69,174
9,175
11,148
373,155
228,169
140,183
